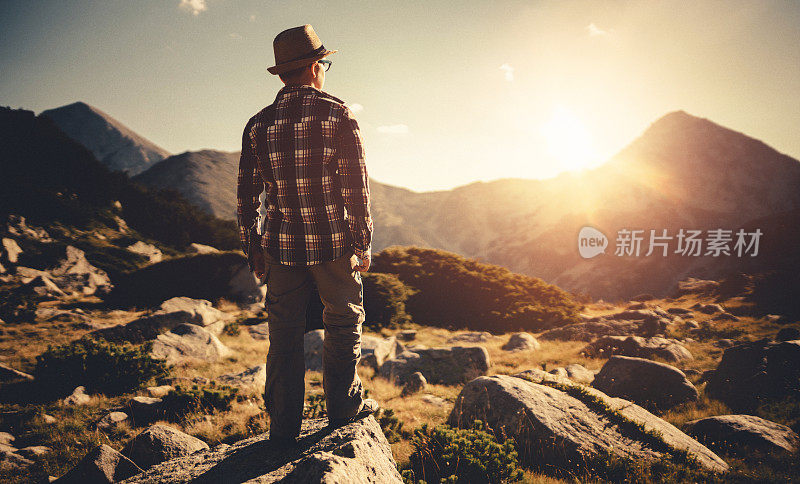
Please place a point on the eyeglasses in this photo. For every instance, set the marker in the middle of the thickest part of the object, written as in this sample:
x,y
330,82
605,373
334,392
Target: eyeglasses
x,y
326,63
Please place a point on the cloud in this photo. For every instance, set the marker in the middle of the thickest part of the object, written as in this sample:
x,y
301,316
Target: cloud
x,y
252,18
194,6
355,107
393,129
595,31
508,72
235,36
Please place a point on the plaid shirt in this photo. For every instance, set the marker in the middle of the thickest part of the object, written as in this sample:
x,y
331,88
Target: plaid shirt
x,y
306,150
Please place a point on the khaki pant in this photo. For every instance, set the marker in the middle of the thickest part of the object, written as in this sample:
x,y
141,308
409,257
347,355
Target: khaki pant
x,y
341,292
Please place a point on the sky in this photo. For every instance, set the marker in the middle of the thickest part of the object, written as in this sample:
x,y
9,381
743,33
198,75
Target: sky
x,y
445,93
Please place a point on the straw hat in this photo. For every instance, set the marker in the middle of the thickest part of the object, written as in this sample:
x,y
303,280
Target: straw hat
x,y
297,47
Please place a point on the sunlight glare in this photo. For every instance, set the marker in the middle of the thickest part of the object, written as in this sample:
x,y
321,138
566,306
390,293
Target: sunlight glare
x,y
568,140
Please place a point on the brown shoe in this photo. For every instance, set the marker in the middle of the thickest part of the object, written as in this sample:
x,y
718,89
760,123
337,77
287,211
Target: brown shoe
x,y
368,407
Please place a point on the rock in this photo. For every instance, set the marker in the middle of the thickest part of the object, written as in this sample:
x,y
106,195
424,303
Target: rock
x,y
574,372
697,286
49,419
637,305
655,347
8,374
34,452
7,439
471,337
788,334
100,466
355,453
565,431
78,397
76,274
643,297
201,311
312,349
15,464
414,384
3,269
255,377
147,250
12,249
19,227
259,331
751,374
144,409
61,315
725,317
187,342
589,330
42,285
743,434
691,324
708,308
407,335
725,343
446,366
433,400
374,350
521,342
111,420
202,249
653,385
680,311
159,443
159,391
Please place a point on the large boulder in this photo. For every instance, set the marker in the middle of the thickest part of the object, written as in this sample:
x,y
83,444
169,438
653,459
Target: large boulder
x,y
656,386
172,313
255,377
595,328
201,276
575,372
187,342
144,249
743,434
565,426
752,374
446,366
639,347
355,453
12,249
75,274
103,465
374,350
471,337
159,443
521,342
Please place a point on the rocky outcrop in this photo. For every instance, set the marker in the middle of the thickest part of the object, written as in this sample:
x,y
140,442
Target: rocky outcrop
x,y
103,465
172,313
446,366
565,427
160,443
355,453
639,347
521,342
575,372
656,386
10,374
471,337
150,251
414,384
186,342
752,374
255,378
743,434
589,330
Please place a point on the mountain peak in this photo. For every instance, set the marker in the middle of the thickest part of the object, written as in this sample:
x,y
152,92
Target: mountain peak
x,y
113,143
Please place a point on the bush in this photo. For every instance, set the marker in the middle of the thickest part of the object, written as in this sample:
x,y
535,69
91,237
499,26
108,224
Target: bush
x,y
206,399
447,454
457,292
16,306
385,299
391,426
100,366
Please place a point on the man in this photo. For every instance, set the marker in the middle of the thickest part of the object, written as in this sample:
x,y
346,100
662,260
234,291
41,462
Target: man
x,y
306,151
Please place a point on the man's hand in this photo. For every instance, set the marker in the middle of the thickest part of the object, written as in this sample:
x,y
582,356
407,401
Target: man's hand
x,y
260,263
363,265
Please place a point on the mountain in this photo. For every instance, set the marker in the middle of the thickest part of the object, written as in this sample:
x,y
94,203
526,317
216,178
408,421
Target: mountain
x,y
682,172
110,141
206,178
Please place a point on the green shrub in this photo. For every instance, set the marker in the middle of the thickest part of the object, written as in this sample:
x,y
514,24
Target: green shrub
x,y
315,406
391,426
456,292
385,299
447,454
205,398
100,366
231,328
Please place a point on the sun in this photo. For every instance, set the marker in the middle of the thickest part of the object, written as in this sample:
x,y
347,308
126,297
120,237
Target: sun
x,y
568,141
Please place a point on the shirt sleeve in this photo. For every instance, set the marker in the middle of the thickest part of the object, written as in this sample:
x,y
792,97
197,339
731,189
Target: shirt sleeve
x,y
354,181
248,188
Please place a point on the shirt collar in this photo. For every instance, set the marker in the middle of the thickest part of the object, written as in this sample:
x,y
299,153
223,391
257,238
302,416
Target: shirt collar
x,y
305,89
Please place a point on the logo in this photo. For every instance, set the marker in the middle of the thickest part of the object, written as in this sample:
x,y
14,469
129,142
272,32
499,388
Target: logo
x,y
591,242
